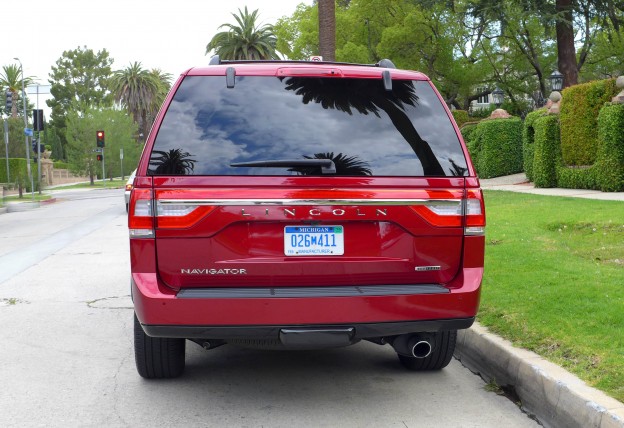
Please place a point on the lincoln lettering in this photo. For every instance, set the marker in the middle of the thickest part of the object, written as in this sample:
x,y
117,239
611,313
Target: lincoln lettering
x,y
315,212
213,271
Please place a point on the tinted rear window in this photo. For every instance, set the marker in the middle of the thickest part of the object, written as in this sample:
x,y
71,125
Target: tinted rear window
x,y
365,129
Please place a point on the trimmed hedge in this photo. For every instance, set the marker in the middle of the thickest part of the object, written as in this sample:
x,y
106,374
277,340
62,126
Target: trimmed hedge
x,y
461,117
547,151
610,162
528,139
579,120
61,165
18,172
496,147
607,174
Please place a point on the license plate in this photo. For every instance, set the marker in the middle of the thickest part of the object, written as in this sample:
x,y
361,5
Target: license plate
x,y
313,240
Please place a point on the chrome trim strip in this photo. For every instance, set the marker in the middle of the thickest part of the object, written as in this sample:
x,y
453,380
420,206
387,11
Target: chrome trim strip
x,y
297,202
302,292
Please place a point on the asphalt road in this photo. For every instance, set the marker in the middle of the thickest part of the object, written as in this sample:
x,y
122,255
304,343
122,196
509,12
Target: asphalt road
x,y
67,359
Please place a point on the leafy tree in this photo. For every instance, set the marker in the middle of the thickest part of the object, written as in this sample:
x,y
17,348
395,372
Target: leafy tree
x,y
297,36
79,81
244,41
10,81
17,147
137,89
120,131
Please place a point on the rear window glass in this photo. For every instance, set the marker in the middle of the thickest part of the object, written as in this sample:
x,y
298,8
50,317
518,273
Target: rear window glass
x,y
210,129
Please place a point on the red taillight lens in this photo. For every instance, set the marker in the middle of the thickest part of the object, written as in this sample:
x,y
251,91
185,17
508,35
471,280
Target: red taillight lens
x,y
173,215
441,213
451,213
141,214
475,212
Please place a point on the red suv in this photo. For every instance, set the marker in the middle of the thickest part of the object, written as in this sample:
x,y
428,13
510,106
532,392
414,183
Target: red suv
x,y
304,205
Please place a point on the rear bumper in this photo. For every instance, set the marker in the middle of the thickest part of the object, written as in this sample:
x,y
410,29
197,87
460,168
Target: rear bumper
x,y
360,331
257,312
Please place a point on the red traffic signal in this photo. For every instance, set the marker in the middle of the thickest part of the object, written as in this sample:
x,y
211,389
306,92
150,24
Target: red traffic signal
x,y
99,138
100,157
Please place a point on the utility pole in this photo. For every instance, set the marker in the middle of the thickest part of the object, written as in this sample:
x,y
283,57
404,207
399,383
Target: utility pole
x,y
6,145
32,184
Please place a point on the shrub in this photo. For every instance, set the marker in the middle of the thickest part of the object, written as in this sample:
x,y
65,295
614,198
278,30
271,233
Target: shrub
x,y
496,147
579,115
61,165
461,117
610,158
547,151
528,138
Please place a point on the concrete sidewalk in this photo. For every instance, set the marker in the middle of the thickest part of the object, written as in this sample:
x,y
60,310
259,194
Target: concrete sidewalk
x,y
519,183
556,397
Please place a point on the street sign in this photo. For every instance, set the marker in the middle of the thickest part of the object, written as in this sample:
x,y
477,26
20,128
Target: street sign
x,y
121,154
28,131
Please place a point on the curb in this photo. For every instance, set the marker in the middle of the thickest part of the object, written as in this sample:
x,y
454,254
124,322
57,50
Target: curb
x,y
556,397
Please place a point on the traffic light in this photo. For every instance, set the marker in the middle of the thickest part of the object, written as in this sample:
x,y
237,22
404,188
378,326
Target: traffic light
x,y
9,102
100,157
99,137
38,120
34,146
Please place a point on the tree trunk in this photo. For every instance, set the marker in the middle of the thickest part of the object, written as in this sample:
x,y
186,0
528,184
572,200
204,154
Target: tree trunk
x,y
14,105
565,43
327,29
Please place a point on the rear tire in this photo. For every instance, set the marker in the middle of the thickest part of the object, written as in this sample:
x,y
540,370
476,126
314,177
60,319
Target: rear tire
x,y
443,344
157,357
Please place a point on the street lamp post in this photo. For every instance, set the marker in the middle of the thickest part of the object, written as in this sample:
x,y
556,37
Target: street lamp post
x,y
556,80
498,96
30,177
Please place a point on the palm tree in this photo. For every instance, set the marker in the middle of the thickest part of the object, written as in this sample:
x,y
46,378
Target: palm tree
x,y
173,162
327,29
164,84
366,96
11,81
345,165
244,41
137,89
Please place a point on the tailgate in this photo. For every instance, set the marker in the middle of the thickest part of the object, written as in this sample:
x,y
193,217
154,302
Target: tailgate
x,y
210,235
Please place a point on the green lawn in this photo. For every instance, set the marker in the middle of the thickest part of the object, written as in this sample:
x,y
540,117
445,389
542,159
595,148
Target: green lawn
x,y
554,281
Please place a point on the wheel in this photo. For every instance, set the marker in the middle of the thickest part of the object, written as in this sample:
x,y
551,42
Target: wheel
x,y
443,344
157,357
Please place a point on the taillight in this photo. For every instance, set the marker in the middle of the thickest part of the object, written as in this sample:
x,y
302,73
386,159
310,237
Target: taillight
x,y
475,213
128,187
141,214
441,213
180,215
469,212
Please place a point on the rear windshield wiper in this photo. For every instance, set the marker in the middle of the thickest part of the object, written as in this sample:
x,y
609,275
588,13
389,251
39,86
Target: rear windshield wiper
x,y
327,165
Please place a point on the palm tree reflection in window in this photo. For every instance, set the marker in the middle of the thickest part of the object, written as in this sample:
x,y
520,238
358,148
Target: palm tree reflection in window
x,y
173,162
369,96
456,170
345,165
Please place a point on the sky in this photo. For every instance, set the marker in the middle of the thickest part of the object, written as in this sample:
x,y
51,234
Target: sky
x,y
171,36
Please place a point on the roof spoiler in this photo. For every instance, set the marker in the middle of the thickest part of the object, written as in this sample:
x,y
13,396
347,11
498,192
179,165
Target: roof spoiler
x,y
216,60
